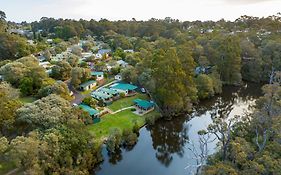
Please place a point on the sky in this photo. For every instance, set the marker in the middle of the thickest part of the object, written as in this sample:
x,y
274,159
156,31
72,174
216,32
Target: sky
x,y
184,10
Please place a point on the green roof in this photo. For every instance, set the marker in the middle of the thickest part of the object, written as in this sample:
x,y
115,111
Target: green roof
x,y
101,95
88,109
122,86
87,83
143,103
109,91
96,73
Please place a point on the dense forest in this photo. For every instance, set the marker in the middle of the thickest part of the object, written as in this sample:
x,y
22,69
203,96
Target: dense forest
x,y
179,63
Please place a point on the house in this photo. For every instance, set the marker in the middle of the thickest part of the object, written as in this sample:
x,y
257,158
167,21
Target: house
x,y
127,89
87,54
91,111
45,64
122,63
88,85
1,78
144,105
101,96
104,51
129,51
98,75
118,77
109,92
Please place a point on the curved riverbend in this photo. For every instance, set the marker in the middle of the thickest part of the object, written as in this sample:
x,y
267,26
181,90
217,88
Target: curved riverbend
x,y
163,148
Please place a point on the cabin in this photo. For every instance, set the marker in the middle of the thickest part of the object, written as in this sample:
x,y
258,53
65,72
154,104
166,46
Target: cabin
x,y
91,111
144,105
127,89
122,63
87,85
109,92
101,96
98,75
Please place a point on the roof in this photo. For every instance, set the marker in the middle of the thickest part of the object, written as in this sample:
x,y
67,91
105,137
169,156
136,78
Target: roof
x,y
96,73
88,109
122,86
122,62
143,103
101,95
87,83
103,51
110,91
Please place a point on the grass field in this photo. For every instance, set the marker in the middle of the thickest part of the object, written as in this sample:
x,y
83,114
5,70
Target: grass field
x,y
126,102
5,167
121,120
27,99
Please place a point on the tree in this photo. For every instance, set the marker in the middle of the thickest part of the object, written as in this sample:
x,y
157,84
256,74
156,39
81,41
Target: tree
x,y
87,46
14,72
114,140
76,50
45,113
230,61
9,104
58,88
129,74
26,86
61,71
205,86
73,60
79,75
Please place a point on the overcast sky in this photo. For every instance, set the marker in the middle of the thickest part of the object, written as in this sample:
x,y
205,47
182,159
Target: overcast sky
x,y
30,10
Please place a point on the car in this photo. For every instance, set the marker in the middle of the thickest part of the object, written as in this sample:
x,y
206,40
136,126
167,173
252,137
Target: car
x,y
143,90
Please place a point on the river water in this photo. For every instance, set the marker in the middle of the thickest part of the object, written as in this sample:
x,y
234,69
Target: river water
x,y
163,149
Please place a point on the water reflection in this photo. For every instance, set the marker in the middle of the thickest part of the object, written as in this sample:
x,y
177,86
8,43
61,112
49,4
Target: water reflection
x,y
163,148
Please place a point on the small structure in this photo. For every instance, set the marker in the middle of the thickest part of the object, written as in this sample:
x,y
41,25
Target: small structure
x,y
118,77
98,75
127,89
88,85
144,105
101,96
91,111
122,63
104,51
109,92
129,51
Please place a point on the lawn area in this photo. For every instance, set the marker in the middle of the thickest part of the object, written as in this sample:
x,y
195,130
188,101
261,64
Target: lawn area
x,y
126,102
5,167
124,119
27,99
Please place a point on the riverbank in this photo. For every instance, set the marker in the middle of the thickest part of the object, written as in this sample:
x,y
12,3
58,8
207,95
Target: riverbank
x,y
164,147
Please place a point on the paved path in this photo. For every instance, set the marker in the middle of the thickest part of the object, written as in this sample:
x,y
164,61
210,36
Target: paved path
x,y
130,107
78,97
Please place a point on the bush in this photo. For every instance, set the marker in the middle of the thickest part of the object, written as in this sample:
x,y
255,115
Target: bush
x,y
122,95
129,137
151,119
133,109
114,140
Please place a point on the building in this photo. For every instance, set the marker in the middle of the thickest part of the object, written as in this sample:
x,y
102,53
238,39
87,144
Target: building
x,y
129,51
87,85
92,112
109,92
127,89
118,77
144,105
104,51
101,96
98,75
122,63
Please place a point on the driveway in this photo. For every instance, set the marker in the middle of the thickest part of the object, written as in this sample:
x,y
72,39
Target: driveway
x,y
78,97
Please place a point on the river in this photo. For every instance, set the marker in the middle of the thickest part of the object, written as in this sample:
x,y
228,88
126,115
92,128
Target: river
x,y
163,149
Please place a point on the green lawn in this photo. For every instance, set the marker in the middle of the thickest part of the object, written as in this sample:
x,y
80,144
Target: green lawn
x,y
27,99
124,119
126,102
5,167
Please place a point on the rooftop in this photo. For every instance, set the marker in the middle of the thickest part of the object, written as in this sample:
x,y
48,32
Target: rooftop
x,y
103,51
96,73
87,83
88,109
143,103
101,95
110,91
122,86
